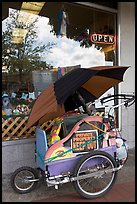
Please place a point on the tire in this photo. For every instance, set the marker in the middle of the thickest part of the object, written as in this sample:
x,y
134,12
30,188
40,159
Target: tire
x,y
97,185
18,182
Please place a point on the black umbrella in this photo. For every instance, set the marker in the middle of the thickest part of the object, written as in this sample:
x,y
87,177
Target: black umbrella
x,y
85,83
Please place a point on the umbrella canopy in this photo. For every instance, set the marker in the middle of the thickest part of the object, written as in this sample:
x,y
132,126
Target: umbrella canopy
x,y
61,96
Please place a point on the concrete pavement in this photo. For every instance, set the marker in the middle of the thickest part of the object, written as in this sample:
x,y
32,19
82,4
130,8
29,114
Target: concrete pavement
x,y
122,192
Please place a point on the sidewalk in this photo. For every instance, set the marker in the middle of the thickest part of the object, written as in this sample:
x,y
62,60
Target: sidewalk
x,y
122,191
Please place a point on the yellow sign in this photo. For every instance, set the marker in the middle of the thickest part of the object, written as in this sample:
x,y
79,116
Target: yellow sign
x,y
82,137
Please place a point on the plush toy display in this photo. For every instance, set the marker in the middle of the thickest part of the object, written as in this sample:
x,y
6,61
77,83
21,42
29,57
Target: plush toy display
x,y
6,105
7,110
21,109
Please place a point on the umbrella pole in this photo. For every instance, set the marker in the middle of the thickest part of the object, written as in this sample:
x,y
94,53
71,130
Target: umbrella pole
x,y
84,105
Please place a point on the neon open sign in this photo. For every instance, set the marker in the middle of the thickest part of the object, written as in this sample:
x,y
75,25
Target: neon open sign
x,y
102,38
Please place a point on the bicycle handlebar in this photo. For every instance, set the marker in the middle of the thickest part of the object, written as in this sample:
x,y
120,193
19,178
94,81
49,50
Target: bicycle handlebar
x,y
128,101
127,97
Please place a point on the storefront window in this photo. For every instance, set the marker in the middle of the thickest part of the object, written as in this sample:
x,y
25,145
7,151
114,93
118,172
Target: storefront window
x,y
87,38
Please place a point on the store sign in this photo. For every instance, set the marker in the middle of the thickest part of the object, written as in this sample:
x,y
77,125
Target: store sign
x,y
81,137
103,39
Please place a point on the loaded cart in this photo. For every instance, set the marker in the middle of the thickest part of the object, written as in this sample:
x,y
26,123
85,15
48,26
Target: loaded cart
x,y
80,146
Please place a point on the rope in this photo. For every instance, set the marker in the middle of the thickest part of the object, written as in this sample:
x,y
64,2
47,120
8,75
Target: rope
x,y
95,127
71,149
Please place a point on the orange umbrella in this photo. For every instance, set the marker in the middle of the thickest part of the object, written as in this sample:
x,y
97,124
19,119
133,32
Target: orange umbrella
x,y
61,96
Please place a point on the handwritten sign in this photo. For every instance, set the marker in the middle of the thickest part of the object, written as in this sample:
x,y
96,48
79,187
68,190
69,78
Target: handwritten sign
x,y
82,137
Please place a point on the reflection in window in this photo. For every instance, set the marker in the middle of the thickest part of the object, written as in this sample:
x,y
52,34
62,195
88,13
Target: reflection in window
x,y
70,45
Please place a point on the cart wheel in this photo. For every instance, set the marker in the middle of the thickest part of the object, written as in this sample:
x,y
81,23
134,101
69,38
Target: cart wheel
x,y
101,181
20,180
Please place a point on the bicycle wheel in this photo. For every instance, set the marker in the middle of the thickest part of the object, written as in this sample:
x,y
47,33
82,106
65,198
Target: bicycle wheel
x,y
20,180
96,169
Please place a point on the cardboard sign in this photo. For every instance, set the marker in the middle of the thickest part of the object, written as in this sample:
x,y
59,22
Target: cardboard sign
x,y
83,136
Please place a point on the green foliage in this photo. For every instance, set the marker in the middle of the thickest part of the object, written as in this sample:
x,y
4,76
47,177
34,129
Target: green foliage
x,y
24,57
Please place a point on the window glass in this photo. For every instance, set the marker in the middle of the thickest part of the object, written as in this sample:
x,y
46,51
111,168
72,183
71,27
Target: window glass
x,y
36,45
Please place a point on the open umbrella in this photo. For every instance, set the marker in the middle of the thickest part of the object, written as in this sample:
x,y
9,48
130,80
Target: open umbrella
x,y
62,96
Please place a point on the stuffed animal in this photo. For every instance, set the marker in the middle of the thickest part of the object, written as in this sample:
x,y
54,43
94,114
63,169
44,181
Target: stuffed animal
x,y
21,109
54,134
6,105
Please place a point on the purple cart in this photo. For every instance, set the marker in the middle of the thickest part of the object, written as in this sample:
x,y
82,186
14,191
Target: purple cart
x,y
88,154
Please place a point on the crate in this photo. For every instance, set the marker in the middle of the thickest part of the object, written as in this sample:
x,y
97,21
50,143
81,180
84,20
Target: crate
x,y
14,127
